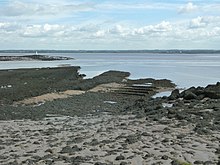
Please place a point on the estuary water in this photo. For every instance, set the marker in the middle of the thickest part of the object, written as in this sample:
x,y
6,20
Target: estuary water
x,y
185,70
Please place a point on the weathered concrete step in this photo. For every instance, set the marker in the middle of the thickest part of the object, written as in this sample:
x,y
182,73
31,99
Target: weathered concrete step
x,y
132,93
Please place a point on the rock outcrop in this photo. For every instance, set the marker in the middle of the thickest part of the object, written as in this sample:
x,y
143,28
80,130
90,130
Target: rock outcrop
x,y
210,91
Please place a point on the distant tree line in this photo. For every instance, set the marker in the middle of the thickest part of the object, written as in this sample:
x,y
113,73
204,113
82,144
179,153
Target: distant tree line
x,y
172,51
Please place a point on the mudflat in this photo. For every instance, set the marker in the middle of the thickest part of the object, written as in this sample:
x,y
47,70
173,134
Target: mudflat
x,y
57,116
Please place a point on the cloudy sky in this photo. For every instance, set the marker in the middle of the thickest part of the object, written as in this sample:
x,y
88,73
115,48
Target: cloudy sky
x,y
112,24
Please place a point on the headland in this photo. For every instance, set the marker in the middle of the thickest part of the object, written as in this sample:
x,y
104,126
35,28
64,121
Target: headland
x,y
34,57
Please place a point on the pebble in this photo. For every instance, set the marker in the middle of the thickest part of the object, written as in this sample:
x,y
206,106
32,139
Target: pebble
x,y
165,157
120,157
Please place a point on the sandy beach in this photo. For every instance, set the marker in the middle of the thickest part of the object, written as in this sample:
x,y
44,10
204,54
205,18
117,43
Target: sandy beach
x,y
108,119
104,139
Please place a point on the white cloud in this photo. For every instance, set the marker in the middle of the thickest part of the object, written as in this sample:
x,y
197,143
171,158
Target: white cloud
x,y
8,27
46,30
159,28
135,5
100,33
120,30
198,22
188,8
108,24
203,21
18,9
212,20
199,29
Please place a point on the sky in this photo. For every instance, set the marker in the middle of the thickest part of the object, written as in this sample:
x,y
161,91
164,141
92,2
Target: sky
x,y
109,25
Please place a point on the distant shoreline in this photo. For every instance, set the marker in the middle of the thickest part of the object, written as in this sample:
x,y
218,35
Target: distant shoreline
x,y
170,51
33,58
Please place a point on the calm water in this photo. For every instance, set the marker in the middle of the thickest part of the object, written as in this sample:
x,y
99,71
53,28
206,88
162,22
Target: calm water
x,y
183,69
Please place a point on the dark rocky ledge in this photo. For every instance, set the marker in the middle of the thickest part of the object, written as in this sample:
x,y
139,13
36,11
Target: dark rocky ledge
x,y
19,84
33,58
199,106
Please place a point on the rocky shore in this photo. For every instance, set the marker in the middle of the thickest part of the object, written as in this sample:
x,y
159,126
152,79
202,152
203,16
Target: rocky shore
x,y
57,116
